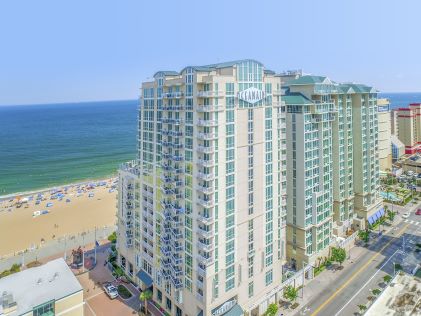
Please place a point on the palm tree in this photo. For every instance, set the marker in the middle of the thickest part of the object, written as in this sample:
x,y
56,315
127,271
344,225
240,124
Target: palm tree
x,y
145,296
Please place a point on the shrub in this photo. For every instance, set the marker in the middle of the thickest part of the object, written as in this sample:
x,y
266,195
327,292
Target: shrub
x,y
124,292
113,237
376,292
387,278
272,310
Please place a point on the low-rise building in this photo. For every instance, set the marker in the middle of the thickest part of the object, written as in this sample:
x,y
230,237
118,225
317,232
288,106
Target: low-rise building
x,y
50,289
401,297
398,148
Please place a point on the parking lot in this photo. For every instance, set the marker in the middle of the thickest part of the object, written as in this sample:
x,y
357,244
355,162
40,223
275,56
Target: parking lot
x,y
97,303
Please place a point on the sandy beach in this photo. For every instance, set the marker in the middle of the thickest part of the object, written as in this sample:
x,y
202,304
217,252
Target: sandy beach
x,y
78,209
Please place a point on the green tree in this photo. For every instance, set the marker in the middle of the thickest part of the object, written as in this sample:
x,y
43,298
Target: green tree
x,y
272,310
144,297
362,307
391,215
338,255
382,221
290,293
364,235
376,292
387,278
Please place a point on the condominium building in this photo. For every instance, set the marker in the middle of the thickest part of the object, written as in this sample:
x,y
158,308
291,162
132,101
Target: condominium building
x,y
333,173
409,125
385,145
202,211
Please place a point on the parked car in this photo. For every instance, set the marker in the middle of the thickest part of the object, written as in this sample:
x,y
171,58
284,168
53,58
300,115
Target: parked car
x,y
405,215
111,291
418,212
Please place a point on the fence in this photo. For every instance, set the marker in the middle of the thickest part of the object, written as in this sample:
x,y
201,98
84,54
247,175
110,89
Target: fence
x,y
63,245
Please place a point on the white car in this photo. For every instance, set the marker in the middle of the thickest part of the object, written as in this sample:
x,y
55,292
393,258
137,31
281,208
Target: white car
x,y
405,215
111,291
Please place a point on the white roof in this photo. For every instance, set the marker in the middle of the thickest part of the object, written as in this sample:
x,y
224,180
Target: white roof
x,y
35,286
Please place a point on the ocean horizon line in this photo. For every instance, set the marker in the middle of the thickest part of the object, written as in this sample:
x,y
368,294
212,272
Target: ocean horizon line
x,y
69,102
135,99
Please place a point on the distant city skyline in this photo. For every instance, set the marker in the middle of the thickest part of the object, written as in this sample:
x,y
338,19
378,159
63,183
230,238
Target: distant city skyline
x,y
56,52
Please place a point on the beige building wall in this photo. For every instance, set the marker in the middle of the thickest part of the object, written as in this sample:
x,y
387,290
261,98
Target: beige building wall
x,y
70,306
394,121
259,168
385,145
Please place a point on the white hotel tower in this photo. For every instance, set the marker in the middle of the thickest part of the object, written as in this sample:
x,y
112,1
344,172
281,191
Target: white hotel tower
x,y
202,211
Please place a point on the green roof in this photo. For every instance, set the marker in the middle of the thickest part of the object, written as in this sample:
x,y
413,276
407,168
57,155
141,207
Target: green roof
x,y
296,99
308,80
358,88
213,67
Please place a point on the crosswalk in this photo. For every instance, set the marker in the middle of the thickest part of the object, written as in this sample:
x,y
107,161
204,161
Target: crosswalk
x,y
411,221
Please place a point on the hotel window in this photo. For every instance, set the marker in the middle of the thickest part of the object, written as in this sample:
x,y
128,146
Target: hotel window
x,y
46,309
251,289
268,277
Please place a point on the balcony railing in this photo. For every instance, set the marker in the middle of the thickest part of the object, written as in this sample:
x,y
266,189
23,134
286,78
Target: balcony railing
x,y
207,123
206,203
209,108
206,190
206,150
206,163
206,136
206,219
204,233
206,176
204,260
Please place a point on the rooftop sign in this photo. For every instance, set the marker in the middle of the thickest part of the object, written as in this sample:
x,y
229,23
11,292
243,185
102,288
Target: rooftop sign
x,y
251,95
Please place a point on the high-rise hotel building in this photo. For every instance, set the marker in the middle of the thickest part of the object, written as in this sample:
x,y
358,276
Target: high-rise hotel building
x,y
202,211
333,167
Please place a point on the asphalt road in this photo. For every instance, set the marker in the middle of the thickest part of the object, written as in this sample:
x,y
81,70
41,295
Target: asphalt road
x,y
366,273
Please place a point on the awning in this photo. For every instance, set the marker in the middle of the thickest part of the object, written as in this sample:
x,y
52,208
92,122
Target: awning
x,y
145,278
371,220
235,311
381,212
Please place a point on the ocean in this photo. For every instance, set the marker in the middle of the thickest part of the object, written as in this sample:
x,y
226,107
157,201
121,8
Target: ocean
x,y
401,99
43,146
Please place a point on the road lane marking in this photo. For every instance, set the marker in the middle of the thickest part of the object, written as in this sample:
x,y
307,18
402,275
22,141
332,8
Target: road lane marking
x,y
372,277
353,276
90,308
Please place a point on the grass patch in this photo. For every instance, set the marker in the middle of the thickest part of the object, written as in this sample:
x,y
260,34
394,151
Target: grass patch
x,y
15,268
124,292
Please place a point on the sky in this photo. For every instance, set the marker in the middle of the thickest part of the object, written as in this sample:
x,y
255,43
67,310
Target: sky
x,y
71,51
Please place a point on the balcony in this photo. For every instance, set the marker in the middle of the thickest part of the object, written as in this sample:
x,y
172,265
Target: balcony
x,y
207,122
176,271
204,233
167,191
177,247
204,246
204,260
209,108
177,157
177,145
206,163
166,262
166,179
206,176
166,250
177,210
165,239
178,284
206,203
176,233
201,271
176,259
200,284
206,150
206,136
147,246
129,242
206,190
209,94
165,273
207,220
173,107
172,95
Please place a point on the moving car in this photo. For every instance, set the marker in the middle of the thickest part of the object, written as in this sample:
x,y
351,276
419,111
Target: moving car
x,y
111,291
405,215
418,212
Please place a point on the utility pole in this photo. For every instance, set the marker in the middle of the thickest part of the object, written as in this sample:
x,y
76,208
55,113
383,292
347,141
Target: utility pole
x,y
95,242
